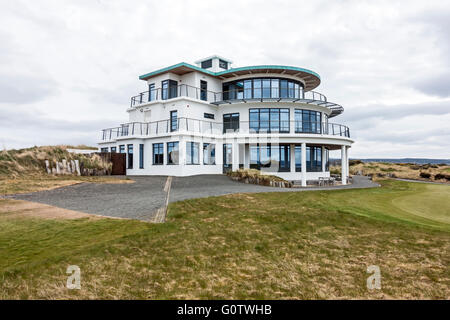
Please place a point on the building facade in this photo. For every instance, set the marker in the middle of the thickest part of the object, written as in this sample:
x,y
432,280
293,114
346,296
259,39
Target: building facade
x,y
209,118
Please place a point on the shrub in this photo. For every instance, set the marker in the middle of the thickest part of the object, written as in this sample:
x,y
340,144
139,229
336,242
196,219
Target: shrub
x,y
354,162
425,175
441,176
255,177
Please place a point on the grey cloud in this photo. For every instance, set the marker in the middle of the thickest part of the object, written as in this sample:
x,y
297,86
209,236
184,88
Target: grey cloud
x,y
436,85
25,89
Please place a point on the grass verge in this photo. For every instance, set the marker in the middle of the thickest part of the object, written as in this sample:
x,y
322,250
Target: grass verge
x,y
296,245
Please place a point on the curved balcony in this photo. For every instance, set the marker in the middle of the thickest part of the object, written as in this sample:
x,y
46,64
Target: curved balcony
x,y
195,126
238,96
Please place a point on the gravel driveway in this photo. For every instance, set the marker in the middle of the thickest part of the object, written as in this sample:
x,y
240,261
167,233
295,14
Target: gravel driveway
x,y
141,200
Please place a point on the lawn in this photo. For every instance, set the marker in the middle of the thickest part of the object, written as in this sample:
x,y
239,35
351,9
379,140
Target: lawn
x,y
304,245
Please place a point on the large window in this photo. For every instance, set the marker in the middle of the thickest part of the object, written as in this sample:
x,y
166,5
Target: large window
x,y
223,64
263,88
151,92
141,156
230,122
275,157
172,153
104,149
313,159
173,120
192,156
158,153
113,149
209,153
308,121
207,64
169,89
130,156
203,90
269,120
122,148
227,157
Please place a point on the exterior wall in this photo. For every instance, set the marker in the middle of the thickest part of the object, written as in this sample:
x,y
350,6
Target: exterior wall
x,y
192,108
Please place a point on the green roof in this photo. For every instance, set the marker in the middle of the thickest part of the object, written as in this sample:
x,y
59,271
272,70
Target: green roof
x,y
217,74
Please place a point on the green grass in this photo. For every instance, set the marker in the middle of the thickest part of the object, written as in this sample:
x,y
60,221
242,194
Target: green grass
x,y
303,245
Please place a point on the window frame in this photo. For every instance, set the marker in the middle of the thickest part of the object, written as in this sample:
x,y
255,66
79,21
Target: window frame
x,y
176,147
159,146
190,147
211,153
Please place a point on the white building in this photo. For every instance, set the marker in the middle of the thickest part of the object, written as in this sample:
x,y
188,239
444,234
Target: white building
x,y
208,118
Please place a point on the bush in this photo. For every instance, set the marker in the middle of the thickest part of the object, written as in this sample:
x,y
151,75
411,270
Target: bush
x,y
425,175
354,162
441,176
255,177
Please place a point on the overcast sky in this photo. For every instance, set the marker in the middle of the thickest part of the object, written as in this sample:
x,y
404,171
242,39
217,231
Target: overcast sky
x,y
69,68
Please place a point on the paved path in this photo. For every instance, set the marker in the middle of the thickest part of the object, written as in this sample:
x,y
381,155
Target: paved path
x,y
143,199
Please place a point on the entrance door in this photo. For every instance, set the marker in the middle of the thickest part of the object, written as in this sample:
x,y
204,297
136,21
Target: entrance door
x,y
227,157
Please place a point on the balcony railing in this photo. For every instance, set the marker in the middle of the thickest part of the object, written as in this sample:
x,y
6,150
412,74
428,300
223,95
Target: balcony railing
x,y
156,128
237,96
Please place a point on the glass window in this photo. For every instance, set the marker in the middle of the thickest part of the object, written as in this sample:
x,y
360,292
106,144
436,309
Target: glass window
x,y
283,88
313,159
172,153
113,149
207,64
257,88
276,157
104,149
122,148
169,89
141,156
247,89
269,120
223,64
239,90
208,115
130,156
275,88
291,89
192,156
209,153
158,153
266,88
230,122
227,156
254,120
298,158
307,121
173,120
203,90
151,92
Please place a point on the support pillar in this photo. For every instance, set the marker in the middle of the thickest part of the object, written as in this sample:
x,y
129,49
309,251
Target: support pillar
x,y
235,156
323,159
292,157
343,165
181,151
303,164
347,162
246,156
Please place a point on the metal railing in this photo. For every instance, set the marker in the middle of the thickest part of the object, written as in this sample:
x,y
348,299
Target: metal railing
x,y
184,90
219,128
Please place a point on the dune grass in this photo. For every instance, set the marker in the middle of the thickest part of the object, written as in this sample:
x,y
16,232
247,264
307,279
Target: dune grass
x,y
305,245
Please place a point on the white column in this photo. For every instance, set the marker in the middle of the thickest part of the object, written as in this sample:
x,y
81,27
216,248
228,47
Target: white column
x,y
347,171
182,151
323,159
200,153
235,156
247,156
292,151
303,164
343,166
